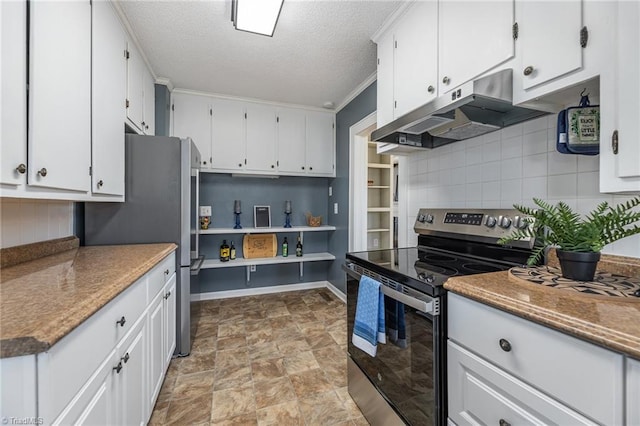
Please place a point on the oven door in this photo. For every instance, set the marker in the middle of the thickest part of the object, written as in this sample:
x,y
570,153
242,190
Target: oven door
x,y
408,370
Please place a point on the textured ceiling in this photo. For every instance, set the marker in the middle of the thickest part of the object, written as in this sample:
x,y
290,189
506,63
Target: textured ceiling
x,y
321,49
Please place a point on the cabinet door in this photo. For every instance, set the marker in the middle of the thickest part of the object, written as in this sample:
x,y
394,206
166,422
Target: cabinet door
x,y
474,37
60,95
385,97
228,141
170,319
135,86
620,109
291,141
549,34
109,74
320,143
149,99
133,384
261,138
416,57
633,391
481,393
96,403
156,359
13,92
192,118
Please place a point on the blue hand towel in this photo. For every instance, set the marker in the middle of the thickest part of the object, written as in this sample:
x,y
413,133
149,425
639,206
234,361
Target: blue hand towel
x,y
368,329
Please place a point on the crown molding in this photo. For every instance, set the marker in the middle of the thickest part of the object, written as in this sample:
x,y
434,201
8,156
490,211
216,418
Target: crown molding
x,y
391,19
166,82
355,92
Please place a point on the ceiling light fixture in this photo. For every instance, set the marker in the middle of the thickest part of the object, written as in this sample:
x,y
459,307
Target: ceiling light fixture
x,y
256,16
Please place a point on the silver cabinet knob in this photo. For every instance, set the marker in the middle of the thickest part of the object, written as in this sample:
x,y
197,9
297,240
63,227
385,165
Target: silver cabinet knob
x,y
504,222
528,70
505,345
42,172
239,164
22,168
490,222
302,167
503,422
431,89
446,80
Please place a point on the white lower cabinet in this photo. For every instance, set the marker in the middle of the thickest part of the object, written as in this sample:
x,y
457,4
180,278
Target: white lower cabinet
x,y
505,366
106,371
633,391
486,394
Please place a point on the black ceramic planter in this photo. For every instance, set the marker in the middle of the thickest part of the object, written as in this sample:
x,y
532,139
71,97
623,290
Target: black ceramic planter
x,y
579,266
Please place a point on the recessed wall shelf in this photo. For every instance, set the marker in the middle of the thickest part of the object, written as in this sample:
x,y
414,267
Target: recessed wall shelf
x,y
274,229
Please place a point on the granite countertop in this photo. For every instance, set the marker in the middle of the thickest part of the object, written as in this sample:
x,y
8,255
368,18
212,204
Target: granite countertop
x,y
43,300
611,322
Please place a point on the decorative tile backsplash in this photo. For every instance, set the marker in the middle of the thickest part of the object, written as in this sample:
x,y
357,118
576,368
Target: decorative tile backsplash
x,y
508,166
30,221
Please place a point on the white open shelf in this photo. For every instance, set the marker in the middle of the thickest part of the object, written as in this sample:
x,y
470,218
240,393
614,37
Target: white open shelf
x,y
379,187
378,230
378,209
267,230
311,257
379,166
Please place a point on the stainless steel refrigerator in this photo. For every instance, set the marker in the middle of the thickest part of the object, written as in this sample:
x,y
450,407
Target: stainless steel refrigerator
x,y
162,184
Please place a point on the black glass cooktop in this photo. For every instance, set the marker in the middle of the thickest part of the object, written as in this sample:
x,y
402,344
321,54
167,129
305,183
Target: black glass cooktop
x,y
425,269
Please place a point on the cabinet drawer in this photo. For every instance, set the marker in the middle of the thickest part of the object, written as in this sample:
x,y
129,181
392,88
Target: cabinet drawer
x,y
581,375
479,392
67,366
160,275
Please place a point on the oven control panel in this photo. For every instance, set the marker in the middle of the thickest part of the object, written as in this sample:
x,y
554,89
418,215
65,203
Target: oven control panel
x,y
492,223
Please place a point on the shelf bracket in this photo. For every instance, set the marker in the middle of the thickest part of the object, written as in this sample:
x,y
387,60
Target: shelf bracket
x,y
301,269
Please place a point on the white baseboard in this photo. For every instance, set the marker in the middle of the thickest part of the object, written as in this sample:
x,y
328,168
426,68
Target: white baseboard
x,y
267,290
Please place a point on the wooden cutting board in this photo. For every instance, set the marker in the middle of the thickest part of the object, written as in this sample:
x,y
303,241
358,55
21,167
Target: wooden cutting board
x,y
259,245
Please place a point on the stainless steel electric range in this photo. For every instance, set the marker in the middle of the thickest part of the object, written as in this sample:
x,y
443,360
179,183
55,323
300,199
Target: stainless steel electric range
x,y
405,383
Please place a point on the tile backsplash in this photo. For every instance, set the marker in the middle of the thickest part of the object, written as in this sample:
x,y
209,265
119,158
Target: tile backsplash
x,y
30,221
506,167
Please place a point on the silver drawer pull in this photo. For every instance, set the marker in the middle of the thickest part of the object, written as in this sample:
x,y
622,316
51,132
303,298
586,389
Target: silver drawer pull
x,y
505,345
503,422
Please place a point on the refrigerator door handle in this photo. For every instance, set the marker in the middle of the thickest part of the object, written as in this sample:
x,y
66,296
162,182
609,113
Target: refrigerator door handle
x,y
196,173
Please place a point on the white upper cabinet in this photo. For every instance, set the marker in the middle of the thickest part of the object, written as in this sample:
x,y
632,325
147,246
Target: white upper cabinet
x,y
385,95
60,95
633,391
149,102
261,138
109,73
474,37
619,106
192,118
291,141
549,39
135,87
415,77
320,143
13,92
228,146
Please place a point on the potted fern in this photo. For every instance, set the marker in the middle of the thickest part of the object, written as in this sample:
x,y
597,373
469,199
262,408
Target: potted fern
x,y
578,240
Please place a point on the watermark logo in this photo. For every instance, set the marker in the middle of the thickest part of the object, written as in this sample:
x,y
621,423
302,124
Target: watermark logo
x,y
22,421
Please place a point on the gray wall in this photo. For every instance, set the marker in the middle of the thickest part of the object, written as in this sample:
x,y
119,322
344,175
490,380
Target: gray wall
x,y
163,110
363,105
306,195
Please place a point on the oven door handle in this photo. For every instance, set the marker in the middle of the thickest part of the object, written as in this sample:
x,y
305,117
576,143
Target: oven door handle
x,y
420,305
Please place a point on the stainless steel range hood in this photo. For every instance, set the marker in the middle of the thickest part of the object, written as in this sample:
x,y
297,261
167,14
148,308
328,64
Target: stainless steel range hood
x,y
475,108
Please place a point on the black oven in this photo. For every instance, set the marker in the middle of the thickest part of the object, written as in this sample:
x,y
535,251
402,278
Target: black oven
x,y
408,372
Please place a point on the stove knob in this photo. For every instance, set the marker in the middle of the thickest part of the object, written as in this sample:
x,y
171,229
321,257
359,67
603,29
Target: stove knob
x,y
490,221
504,222
421,218
519,222
429,218
430,278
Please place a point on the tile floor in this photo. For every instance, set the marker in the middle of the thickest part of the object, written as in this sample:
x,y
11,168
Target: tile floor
x,y
275,359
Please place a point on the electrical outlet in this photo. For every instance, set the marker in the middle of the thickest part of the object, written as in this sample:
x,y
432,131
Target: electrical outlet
x,y
205,210
252,268
335,208
330,191
376,242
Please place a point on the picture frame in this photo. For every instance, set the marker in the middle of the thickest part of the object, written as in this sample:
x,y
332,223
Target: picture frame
x,y
262,216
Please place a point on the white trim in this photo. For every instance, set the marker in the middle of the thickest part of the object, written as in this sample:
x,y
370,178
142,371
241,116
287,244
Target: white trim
x,y
226,294
339,294
391,20
358,181
359,89
166,82
252,100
